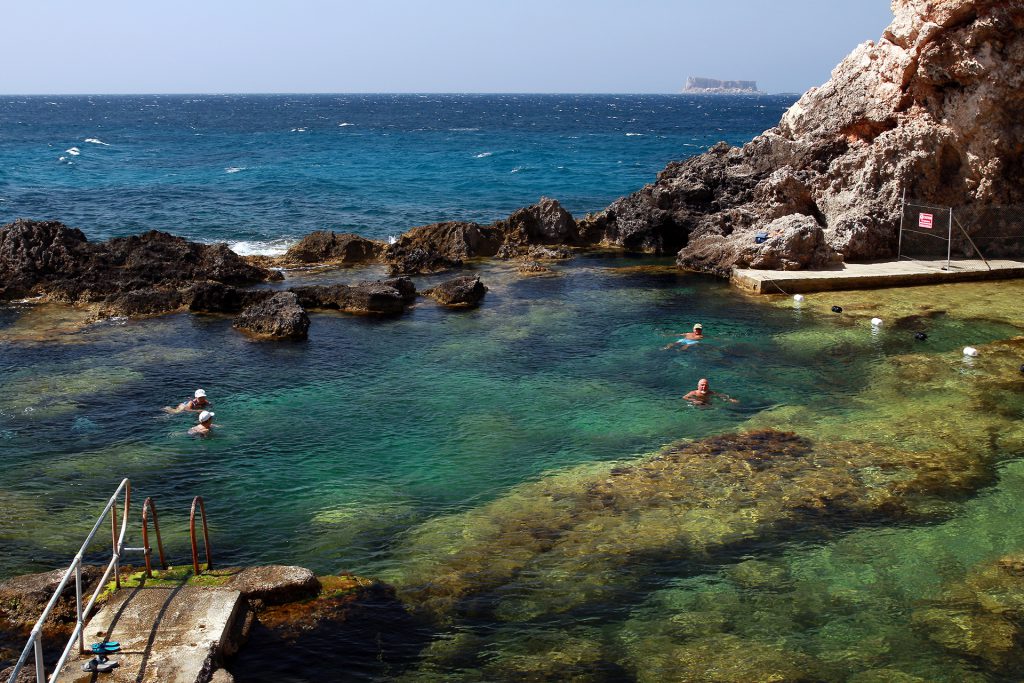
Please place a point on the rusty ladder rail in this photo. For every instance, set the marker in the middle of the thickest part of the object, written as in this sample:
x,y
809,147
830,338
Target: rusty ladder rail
x,y
146,549
198,500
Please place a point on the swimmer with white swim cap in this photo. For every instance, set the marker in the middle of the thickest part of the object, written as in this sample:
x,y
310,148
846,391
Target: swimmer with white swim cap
x,y
193,405
205,425
688,339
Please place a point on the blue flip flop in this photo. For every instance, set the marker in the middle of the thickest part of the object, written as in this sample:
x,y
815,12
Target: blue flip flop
x,y
106,646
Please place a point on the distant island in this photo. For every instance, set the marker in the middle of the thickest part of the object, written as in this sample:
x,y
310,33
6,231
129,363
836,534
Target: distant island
x,y
706,86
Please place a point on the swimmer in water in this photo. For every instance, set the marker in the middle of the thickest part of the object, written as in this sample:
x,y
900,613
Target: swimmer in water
x,y
193,405
688,339
205,425
702,395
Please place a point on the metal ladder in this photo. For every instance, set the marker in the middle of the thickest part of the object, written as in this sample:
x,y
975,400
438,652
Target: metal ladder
x,y
35,640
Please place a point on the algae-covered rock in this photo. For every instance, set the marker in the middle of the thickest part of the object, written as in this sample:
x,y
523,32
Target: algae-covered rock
x,y
725,659
574,538
982,616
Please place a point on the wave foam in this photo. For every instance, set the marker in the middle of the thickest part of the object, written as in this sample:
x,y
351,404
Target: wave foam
x,y
634,135
298,130
234,169
74,151
483,155
274,247
97,141
344,124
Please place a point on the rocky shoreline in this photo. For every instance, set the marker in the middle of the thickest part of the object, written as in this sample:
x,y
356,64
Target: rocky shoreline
x,y
924,110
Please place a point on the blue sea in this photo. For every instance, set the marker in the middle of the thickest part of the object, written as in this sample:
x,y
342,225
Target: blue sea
x,y
485,463
259,171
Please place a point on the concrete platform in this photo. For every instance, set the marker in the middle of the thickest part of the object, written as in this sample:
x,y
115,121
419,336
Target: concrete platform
x,y
170,635
872,275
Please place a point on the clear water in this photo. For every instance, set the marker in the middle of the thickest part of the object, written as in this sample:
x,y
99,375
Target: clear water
x,y
388,448
465,457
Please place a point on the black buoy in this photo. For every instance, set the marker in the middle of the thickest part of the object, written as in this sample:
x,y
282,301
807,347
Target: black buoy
x,y
920,336
837,309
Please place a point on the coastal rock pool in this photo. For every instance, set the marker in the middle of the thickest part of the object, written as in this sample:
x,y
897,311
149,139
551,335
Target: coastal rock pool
x,y
528,478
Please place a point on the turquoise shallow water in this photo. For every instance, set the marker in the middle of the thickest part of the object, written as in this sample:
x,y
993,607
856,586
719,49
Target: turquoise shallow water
x,y
351,451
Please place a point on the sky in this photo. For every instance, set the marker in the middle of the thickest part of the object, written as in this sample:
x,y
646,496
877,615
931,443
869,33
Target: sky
x,y
491,46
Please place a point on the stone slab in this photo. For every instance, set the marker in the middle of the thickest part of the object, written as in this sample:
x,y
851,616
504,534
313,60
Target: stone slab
x,y
872,275
170,635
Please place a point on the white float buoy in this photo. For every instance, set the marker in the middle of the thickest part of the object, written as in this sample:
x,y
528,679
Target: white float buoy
x,y
970,351
798,297
876,322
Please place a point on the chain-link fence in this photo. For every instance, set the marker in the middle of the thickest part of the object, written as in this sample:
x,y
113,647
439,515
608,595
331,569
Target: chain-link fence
x,y
997,231
926,232
933,233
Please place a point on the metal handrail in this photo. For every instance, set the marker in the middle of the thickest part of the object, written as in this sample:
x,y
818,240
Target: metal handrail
x,y
35,640
192,534
147,551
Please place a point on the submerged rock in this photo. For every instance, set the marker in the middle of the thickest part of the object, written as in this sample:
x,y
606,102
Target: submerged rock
x,y
982,616
572,539
278,317
461,292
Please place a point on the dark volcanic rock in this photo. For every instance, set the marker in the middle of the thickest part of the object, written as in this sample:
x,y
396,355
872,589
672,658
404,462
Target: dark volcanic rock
x,y
142,302
380,297
545,222
324,246
215,297
277,317
51,259
440,246
460,292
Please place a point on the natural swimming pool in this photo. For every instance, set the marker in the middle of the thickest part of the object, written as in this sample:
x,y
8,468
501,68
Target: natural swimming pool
x,y
495,466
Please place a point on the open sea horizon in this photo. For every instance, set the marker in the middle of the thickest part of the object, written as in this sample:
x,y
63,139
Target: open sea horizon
x,y
260,171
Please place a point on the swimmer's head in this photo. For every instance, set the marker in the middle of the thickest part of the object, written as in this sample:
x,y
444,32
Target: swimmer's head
x,y
702,385
200,393
698,327
205,417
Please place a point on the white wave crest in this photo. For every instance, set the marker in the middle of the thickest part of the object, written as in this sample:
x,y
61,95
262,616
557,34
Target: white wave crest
x,y
634,135
298,130
517,169
392,239
483,155
344,124
97,141
74,151
274,247
234,169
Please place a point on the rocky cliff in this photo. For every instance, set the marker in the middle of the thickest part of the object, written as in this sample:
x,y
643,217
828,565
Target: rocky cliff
x,y
929,108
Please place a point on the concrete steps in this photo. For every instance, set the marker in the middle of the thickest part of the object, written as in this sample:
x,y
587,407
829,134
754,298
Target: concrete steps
x,y
170,635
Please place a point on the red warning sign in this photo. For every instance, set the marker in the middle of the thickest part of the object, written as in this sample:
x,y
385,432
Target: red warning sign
x,y
925,221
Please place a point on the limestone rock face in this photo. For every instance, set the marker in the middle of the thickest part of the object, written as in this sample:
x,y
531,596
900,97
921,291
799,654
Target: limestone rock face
x,y
278,317
461,292
545,222
929,108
